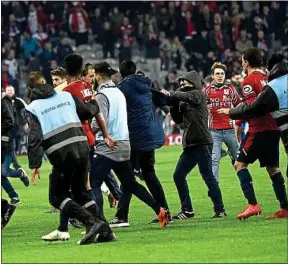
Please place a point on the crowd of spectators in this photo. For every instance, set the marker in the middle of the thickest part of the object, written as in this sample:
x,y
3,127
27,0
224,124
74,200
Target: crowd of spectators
x,y
167,36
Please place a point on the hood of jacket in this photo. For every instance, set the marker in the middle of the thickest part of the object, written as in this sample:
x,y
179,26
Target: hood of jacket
x,y
278,70
192,77
140,83
42,91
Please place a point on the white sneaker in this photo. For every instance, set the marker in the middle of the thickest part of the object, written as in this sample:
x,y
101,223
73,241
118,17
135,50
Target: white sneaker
x,y
118,223
56,236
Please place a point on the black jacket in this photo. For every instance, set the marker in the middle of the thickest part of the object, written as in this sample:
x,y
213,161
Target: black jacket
x,y
72,151
7,124
192,112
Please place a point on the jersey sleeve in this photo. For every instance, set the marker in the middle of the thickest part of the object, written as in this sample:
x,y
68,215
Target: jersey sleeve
x,y
249,95
236,99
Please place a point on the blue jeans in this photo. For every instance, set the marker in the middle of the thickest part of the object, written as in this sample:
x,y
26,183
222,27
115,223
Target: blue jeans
x,y
6,171
228,136
190,157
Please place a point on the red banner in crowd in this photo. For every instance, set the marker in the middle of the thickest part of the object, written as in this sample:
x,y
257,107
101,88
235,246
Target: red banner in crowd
x,y
173,140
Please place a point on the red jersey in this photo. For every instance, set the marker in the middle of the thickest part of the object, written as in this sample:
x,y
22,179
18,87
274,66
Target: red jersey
x,y
225,96
252,85
82,90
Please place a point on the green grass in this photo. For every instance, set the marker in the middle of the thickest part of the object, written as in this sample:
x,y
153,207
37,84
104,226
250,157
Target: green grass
x,y
197,240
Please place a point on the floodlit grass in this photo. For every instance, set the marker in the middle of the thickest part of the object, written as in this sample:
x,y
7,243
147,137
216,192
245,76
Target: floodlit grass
x,y
197,240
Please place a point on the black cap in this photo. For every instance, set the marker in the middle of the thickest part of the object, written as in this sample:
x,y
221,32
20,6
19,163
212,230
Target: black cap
x,y
104,68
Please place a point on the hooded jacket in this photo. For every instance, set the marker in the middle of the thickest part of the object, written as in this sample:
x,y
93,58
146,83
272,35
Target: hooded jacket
x,y
192,111
273,98
145,129
64,143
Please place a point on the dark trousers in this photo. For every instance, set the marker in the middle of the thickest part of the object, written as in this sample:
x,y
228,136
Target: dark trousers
x,y
4,207
145,161
100,168
190,157
72,174
81,38
110,180
110,50
113,186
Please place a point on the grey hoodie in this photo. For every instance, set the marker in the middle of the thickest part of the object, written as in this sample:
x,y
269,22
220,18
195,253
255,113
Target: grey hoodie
x,y
192,112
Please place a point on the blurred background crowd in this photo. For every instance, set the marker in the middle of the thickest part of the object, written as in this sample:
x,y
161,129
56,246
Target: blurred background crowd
x,y
163,38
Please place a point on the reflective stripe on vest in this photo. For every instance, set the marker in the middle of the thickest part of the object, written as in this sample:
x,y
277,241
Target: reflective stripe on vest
x,y
65,143
61,129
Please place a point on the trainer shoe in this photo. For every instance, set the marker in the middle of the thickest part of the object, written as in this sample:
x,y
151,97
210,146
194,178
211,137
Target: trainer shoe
x,y
250,211
119,223
74,222
15,201
52,210
221,214
7,215
92,233
56,236
105,237
163,218
282,213
184,215
23,177
170,219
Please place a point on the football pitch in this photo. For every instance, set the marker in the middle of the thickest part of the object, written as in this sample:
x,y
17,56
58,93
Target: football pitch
x,y
202,239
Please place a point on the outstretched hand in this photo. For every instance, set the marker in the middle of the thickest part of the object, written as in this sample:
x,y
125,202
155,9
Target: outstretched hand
x,y
224,111
35,172
111,143
165,92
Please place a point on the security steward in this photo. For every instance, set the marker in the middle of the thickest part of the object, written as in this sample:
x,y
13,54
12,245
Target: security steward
x,y
55,127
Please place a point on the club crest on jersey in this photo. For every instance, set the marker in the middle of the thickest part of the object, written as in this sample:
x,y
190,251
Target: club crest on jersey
x,y
247,89
226,91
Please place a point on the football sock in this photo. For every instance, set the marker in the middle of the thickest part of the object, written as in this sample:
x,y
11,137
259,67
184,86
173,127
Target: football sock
x,y
247,185
63,226
279,187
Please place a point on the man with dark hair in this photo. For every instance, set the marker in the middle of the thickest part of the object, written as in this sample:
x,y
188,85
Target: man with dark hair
x,y
262,140
145,133
273,98
59,78
221,93
110,186
127,68
81,90
65,144
112,104
197,144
